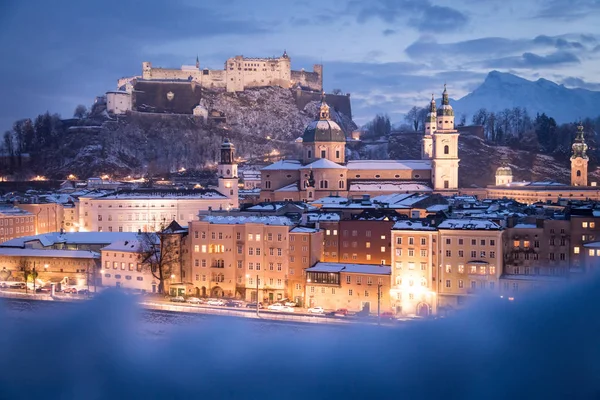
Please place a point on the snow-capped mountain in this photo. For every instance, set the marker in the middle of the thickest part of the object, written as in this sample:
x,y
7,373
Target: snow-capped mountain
x,y
503,90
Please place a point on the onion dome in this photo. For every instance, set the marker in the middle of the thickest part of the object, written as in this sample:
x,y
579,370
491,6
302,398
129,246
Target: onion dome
x,y
432,110
579,146
446,108
227,144
323,129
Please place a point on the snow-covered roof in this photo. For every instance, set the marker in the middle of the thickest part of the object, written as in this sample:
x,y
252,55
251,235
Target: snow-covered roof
x,y
304,229
322,217
525,226
13,252
412,226
388,164
92,238
475,224
592,245
131,246
388,186
240,220
12,211
323,163
164,194
265,207
437,207
330,200
351,268
293,187
283,165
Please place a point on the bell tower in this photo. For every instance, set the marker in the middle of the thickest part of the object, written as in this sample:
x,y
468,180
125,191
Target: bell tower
x,y
579,160
228,173
430,126
444,163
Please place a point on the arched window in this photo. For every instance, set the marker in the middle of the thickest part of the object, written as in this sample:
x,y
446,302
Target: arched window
x,y
578,173
323,184
446,149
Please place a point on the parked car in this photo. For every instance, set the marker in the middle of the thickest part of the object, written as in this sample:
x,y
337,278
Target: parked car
x,y
253,305
340,312
234,303
178,299
275,307
215,302
316,310
290,304
288,309
3,285
83,291
386,315
70,290
17,285
194,300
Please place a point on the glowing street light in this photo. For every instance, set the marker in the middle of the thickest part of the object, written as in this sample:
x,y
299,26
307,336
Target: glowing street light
x,y
71,177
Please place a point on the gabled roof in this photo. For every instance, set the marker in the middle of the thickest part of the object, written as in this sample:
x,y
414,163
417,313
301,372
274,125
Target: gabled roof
x,y
323,163
283,164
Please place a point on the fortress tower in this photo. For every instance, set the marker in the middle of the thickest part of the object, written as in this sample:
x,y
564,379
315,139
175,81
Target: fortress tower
x,y
579,160
444,165
228,173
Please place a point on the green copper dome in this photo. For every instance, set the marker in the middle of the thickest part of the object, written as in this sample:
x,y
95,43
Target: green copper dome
x,y
579,147
323,129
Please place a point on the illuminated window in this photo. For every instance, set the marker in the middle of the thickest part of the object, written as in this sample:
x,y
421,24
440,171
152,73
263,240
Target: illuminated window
x,y
258,237
461,269
482,270
368,257
584,224
328,232
196,248
492,270
592,225
204,248
526,243
383,249
473,269
591,252
516,243
250,236
368,245
398,265
448,269
461,284
382,237
411,266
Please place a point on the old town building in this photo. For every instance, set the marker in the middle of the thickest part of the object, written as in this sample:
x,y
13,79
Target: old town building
x,y
352,287
15,222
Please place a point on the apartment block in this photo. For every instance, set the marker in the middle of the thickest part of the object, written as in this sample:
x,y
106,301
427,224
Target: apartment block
x,y
413,270
15,222
354,287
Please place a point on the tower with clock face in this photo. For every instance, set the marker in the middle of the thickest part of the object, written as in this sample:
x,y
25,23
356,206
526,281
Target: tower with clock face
x,y
579,160
228,174
444,163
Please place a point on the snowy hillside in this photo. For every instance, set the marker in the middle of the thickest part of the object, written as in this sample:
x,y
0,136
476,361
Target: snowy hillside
x,y
258,121
479,161
503,90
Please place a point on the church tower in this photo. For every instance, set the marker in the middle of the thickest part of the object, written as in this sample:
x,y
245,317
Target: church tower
x,y
579,160
228,174
323,138
444,164
430,125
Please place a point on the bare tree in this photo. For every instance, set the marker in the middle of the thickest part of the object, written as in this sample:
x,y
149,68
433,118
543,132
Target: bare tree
x,y
160,253
81,111
412,117
28,273
336,91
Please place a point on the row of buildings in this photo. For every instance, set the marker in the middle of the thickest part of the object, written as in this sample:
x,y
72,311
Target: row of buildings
x,y
358,258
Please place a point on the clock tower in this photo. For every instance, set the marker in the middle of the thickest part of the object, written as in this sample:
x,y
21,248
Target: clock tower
x,y
444,163
579,160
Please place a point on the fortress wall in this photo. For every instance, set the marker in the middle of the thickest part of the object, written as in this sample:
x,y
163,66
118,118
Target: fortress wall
x,y
311,80
172,74
339,102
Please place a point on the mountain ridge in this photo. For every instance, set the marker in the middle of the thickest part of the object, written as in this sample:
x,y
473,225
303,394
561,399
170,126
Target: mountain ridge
x,y
502,90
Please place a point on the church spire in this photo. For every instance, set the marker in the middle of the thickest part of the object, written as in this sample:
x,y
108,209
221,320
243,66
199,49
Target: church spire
x,y
197,61
579,146
445,99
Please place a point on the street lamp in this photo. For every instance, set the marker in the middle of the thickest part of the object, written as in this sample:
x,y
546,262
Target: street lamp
x,y
257,303
379,303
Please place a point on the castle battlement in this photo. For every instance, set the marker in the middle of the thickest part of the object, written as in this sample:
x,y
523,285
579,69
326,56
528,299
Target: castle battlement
x,y
240,73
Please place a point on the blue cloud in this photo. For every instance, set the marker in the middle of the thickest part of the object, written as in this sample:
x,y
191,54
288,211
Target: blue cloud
x,y
531,60
419,14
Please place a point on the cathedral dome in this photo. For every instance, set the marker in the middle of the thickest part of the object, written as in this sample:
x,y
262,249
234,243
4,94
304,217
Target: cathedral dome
x,y
504,171
323,129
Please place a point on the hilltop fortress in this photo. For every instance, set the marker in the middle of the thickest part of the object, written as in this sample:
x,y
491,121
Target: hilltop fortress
x,y
240,73
179,91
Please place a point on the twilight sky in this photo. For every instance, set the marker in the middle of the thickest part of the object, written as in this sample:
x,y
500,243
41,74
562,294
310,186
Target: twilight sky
x,y
390,54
